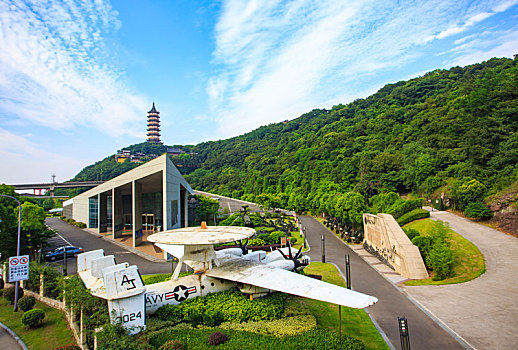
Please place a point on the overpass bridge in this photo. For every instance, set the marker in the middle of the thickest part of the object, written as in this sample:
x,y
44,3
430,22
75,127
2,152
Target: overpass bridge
x,y
51,186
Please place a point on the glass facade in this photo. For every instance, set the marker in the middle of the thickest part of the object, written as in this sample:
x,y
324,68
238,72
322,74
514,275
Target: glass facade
x,y
93,212
152,204
109,209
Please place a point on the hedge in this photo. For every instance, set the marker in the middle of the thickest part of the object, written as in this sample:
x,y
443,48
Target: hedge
x,y
230,305
194,339
73,222
415,214
402,207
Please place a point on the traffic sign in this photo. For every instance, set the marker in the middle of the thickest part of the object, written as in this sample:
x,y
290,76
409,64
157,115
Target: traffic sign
x,y
18,268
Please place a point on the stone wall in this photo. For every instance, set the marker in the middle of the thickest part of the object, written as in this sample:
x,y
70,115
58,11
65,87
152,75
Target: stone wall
x,y
387,240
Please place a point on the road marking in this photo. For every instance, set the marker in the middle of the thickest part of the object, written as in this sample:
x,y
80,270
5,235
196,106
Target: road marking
x,y
63,238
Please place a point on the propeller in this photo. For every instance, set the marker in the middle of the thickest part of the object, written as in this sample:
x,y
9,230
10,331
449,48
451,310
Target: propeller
x,y
294,258
243,247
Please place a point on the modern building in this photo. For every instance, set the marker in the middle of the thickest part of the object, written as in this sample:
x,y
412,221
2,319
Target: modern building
x,y
152,197
153,125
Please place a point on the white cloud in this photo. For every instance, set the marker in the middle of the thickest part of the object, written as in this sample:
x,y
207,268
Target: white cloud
x,y
55,70
276,60
24,161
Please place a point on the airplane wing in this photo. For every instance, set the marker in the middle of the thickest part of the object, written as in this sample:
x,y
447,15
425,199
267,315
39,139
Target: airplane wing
x,y
264,276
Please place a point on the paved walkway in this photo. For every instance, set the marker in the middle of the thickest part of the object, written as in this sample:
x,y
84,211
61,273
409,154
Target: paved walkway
x,y
484,311
424,332
9,340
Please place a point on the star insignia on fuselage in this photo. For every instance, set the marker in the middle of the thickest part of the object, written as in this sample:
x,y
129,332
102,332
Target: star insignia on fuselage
x,y
180,293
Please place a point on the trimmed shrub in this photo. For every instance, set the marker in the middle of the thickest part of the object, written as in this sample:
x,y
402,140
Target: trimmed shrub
x,y
411,233
401,207
230,305
293,240
478,210
415,214
441,260
26,303
172,344
217,338
33,318
264,236
9,293
275,237
318,338
256,242
424,243
294,321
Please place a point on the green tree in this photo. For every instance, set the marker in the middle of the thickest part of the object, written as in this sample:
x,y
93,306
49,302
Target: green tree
x,y
470,191
478,210
206,208
34,233
8,221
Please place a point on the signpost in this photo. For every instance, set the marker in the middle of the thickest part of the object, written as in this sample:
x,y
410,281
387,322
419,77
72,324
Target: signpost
x,y
18,268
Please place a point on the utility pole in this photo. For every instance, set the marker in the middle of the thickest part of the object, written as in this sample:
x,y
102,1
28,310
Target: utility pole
x,y
323,249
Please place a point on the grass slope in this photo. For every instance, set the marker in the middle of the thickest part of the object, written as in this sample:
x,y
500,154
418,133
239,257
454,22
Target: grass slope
x,y
468,260
53,333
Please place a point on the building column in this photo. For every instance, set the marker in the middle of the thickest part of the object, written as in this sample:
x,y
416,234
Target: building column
x,y
103,212
99,213
136,189
165,203
117,213
185,208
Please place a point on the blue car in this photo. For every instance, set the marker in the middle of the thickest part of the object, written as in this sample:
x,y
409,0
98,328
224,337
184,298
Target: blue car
x,y
57,253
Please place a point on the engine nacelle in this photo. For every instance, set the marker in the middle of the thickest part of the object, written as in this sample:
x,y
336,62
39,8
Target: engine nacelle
x,y
253,291
282,264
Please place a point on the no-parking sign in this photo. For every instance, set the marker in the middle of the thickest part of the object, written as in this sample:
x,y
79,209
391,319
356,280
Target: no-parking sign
x,y
18,268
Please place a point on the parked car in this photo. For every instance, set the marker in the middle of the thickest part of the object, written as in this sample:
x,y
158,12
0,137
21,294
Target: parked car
x,y
57,253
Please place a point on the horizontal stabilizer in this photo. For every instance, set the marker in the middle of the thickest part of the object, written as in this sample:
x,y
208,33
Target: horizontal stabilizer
x,y
123,283
100,263
84,260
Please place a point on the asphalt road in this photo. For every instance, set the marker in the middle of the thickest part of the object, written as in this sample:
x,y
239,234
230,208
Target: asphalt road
x,y
77,237
233,205
482,311
424,332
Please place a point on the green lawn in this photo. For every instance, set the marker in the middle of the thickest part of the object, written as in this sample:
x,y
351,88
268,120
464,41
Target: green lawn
x,y
53,333
355,322
468,260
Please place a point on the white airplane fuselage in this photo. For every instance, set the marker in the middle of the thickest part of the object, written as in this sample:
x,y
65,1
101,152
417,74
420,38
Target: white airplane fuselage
x,y
198,284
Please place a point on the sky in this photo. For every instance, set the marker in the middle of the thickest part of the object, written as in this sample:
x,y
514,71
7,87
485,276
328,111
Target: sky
x,y
77,77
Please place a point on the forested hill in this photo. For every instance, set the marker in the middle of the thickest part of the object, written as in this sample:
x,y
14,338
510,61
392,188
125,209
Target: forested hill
x,y
432,133
436,133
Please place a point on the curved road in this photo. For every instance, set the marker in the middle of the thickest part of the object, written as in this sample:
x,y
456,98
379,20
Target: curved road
x,y
424,332
482,311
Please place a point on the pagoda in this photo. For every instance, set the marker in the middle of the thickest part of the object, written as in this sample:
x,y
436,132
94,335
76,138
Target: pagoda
x,y
153,125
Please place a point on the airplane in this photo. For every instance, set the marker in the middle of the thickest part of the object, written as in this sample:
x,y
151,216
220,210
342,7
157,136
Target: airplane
x,y
254,273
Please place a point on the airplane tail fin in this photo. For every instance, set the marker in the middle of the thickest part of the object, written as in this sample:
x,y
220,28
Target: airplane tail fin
x,y
120,284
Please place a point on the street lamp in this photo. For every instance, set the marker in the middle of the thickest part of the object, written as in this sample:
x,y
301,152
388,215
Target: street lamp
x,y
16,283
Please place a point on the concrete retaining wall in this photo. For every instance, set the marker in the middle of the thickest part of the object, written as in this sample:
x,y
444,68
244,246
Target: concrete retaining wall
x,y
388,241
